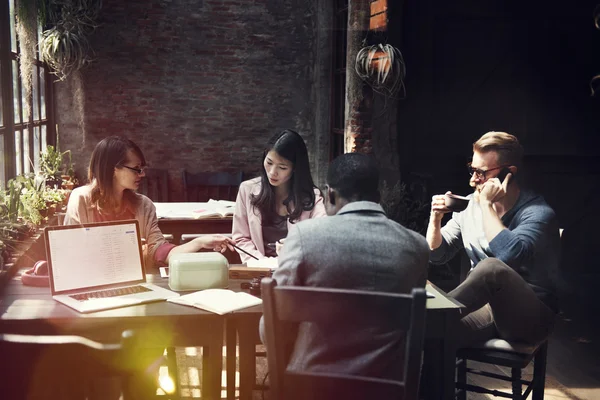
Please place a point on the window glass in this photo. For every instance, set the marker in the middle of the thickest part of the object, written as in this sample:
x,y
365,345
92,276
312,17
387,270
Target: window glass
x,y
18,154
37,146
16,92
2,172
44,142
13,35
1,105
24,100
26,152
42,93
21,140
35,82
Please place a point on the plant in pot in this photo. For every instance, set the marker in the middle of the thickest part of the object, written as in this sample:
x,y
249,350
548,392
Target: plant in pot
x,y
54,199
382,67
10,201
51,165
403,207
68,177
33,205
12,228
65,46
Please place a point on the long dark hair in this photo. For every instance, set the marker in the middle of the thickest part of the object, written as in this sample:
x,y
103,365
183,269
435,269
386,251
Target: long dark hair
x,y
110,153
289,145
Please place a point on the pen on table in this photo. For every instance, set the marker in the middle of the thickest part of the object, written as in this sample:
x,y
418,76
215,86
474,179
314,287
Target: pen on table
x,y
244,251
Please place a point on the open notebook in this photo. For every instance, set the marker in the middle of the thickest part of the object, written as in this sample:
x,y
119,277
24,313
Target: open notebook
x,y
219,301
215,208
99,266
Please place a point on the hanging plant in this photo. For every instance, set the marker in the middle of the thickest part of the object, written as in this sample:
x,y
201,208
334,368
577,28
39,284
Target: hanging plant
x,y
65,46
382,67
595,78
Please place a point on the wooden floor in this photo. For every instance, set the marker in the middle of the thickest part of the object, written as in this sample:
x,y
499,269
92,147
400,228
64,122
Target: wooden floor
x,y
573,369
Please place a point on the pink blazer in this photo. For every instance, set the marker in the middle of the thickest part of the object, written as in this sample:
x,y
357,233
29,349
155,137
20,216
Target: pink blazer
x,y
247,225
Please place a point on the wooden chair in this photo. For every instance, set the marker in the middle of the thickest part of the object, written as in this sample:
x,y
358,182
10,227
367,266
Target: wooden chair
x,y
155,185
511,355
59,366
204,186
288,305
515,356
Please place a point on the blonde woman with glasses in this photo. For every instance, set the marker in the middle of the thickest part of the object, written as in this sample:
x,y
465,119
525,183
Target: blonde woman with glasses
x,y
116,169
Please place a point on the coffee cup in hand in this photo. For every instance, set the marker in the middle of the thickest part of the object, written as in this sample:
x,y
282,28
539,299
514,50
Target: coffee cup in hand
x,y
455,202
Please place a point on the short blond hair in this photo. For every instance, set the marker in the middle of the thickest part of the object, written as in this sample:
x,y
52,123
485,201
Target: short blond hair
x,y
507,146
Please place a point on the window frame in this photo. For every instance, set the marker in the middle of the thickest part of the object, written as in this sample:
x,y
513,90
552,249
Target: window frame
x,y
9,129
338,78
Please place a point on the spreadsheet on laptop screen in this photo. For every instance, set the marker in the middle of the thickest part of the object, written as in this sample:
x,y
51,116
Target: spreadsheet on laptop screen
x,y
92,256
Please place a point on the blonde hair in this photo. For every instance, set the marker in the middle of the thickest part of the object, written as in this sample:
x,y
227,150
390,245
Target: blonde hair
x,y
507,146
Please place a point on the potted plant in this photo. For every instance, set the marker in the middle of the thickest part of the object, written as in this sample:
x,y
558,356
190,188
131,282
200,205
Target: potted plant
x,y
11,200
33,206
54,199
69,181
403,207
12,228
382,67
65,46
52,167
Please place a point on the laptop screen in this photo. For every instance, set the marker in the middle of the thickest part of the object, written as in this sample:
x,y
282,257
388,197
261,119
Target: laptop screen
x,y
93,255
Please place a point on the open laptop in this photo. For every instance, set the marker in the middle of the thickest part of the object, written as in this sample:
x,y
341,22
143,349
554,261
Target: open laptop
x,y
99,266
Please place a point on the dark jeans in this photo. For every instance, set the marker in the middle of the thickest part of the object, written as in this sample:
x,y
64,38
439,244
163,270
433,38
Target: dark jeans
x,y
500,304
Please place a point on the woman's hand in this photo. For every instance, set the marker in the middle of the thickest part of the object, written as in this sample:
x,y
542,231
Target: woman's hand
x,y
279,246
218,243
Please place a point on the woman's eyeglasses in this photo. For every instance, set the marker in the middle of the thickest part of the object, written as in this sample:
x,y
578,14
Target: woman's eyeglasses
x,y
479,173
139,171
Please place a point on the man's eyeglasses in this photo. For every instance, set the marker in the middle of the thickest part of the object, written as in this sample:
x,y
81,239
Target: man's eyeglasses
x,y
139,171
479,173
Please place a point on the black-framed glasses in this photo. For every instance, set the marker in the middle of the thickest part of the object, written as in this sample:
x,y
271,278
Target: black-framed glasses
x,y
139,171
479,173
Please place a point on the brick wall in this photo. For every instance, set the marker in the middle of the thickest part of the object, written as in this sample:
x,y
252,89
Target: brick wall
x,y
198,84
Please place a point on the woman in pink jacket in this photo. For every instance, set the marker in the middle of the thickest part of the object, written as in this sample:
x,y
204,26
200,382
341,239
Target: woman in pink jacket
x,y
116,168
283,194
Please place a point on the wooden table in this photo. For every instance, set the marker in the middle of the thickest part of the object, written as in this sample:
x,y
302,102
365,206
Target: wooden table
x,y
440,350
31,310
176,219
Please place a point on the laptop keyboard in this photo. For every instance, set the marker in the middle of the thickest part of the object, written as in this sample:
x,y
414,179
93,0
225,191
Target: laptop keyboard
x,y
100,294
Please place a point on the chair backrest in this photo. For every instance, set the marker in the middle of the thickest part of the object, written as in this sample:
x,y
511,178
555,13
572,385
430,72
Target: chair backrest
x,y
204,186
292,305
155,185
57,366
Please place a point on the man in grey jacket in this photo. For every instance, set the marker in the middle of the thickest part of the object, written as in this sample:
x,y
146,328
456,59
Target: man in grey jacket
x,y
511,237
355,247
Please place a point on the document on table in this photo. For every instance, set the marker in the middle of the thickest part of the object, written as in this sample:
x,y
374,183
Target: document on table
x,y
215,208
268,262
195,209
218,301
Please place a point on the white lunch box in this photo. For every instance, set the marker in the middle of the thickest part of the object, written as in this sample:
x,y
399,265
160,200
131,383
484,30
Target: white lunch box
x,y
198,271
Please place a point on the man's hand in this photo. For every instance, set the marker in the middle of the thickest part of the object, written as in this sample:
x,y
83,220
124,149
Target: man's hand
x,y
492,190
438,206
438,209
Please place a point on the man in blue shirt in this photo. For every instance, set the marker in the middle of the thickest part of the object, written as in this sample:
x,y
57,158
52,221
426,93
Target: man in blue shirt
x,y
511,237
